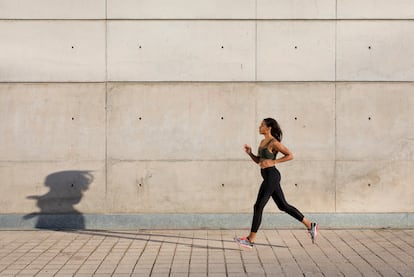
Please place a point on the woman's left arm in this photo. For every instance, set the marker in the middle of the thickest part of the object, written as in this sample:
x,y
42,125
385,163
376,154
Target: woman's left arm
x,y
278,146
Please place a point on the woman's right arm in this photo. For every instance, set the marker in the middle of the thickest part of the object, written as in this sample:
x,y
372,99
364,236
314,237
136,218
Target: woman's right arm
x,y
248,150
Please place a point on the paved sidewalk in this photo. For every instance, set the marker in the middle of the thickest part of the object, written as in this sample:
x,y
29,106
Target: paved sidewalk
x,y
206,253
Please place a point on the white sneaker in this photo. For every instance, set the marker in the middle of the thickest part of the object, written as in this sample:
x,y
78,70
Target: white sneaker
x,y
313,231
244,241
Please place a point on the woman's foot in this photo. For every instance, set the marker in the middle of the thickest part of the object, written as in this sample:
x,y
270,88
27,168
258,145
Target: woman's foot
x,y
244,242
313,231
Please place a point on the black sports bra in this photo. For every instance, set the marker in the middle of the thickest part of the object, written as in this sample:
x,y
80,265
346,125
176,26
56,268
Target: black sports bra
x,y
264,152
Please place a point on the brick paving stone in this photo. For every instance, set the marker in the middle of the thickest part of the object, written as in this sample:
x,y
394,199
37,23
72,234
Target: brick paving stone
x,y
66,272
123,270
180,267
230,274
198,267
10,271
370,255
284,252
198,274
216,274
345,244
178,274
235,268
386,251
216,268
304,260
341,262
316,254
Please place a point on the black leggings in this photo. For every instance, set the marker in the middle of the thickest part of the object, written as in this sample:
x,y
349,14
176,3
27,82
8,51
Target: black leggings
x,y
271,187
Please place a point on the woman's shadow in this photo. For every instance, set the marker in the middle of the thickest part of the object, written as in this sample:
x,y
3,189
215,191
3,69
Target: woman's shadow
x,y
57,209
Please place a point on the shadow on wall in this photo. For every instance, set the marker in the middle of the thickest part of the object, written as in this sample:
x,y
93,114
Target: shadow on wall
x,y
57,209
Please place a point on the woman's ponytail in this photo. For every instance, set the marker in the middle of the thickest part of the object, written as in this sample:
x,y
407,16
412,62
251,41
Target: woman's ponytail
x,y
276,130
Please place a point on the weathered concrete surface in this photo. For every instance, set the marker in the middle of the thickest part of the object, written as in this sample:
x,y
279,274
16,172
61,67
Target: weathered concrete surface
x,y
306,113
154,167
52,51
165,9
375,50
172,121
309,186
374,121
52,9
179,187
382,186
213,187
306,52
50,129
207,9
297,9
31,187
224,9
375,9
179,51
177,147
52,122
237,50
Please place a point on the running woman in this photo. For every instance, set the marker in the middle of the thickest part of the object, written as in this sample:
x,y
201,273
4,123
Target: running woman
x,y
270,187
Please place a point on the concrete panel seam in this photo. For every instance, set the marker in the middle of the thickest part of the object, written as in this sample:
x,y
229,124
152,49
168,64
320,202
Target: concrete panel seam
x,y
207,82
106,104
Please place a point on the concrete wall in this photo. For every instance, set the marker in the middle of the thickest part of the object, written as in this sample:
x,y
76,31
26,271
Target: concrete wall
x,y
141,109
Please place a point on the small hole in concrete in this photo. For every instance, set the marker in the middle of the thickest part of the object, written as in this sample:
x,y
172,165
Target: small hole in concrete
x,y
222,118
140,47
222,47
222,185
296,118
369,185
369,47
72,185
73,47
140,118
73,118
296,185
140,185
296,47
369,118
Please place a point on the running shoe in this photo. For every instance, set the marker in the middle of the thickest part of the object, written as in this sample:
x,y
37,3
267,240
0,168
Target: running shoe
x,y
313,231
244,242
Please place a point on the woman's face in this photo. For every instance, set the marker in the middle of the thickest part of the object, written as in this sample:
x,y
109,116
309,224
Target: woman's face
x,y
263,128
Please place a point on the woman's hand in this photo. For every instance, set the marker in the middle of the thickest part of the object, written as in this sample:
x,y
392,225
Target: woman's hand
x,y
267,163
248,149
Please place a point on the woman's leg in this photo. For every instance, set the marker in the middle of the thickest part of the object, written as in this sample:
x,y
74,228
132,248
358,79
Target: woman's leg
x,y
263,197
281,203
279,198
